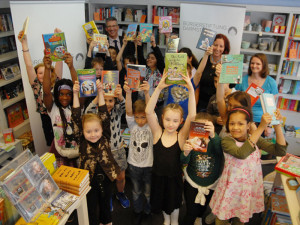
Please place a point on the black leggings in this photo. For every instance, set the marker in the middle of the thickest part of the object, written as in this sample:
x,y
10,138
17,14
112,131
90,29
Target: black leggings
x,y
47,127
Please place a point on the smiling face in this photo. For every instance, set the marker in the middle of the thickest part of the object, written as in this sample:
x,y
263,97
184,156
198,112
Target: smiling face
x,y
171,120
65,97
238,126
92,130
40,73
219,47
113,54
112,29
151,61
109,102
256,65
99,69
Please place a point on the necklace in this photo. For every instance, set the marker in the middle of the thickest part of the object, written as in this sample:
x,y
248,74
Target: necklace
x,y
214,62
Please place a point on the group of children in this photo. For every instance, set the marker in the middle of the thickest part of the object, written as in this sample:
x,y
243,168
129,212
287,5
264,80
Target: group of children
x,y
227,177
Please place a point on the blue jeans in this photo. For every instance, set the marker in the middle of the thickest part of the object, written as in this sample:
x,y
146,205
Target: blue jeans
x,y
141,180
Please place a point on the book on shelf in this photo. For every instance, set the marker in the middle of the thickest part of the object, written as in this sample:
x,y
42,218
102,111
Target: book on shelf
x,y
8,135
254,91
297,27
110,80
55,45
25,27
49,162
87,82
14,115
174,12
232,69
146,31
90,28
131,31
268,105
128,15
278,20
198,137
206,39
136,74
70,176
172,45
279,204
165,24
101,40
143,18
289,165
247,19
176,67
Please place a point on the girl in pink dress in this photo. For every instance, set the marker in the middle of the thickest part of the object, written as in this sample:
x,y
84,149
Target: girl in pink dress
x,y
239,192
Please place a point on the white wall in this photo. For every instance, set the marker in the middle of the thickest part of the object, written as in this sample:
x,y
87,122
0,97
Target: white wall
x,y
45,16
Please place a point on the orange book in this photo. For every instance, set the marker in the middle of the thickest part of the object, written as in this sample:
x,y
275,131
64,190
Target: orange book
x,y
254,91
96,16
198,137
14,115
156,20
143,19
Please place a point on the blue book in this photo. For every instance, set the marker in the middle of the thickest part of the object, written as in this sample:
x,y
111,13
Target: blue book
x,y
87,82
131,30
146,31
232,69
268,105
206,39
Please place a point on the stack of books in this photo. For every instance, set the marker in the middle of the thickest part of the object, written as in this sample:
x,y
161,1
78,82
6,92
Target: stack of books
x,y
49,162
73,180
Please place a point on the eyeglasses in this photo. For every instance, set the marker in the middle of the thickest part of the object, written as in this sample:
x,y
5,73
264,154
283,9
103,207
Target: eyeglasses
x,y
112,26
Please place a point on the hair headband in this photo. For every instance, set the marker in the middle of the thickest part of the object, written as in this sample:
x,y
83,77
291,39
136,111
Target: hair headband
x,y
64,87
240,109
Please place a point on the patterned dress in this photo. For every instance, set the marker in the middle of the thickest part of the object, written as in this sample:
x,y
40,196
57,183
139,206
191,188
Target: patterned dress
x,y
239,192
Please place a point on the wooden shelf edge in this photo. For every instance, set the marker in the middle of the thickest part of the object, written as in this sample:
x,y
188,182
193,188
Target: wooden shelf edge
x,y
6,82
8,102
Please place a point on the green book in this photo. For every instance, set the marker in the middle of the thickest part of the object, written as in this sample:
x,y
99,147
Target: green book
x,y
232,69
176,66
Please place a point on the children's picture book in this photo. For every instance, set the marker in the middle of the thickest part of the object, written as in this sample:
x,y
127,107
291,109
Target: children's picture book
x,y
25,27
8,135
172,45
269,106
55,45
289,165
110,80
206,39
90,28
65,201
165,24
198,137
136,74
101,39
254,91
232,69
131,31
279,204
14,115
146,31
278,20
176,66
87,82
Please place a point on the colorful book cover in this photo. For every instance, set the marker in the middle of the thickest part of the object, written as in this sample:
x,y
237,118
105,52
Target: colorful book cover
x,y
146,31
47,187
87,82
8,135
55,45
65,200
206,39
25,27
136,74
176,66
110,80
101,39
232,69
198,137
131,31
172,45
165,24
90,28
35,169
278,20
254,91
14,115
279,204
269,106
289,165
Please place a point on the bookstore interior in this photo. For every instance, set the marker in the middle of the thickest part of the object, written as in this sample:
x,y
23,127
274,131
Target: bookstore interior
x,y
36,187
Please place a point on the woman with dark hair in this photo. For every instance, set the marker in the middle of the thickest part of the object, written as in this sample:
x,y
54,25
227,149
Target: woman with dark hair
x,y
191,59
204,77
258,74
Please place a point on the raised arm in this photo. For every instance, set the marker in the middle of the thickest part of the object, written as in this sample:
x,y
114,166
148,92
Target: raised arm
x,y
47,95
202,65
120,54
220,95
158,55
145,87
58,65
101,100
140,52
69,62
128,100
76,89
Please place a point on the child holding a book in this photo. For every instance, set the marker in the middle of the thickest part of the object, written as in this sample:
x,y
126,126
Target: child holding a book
x,y
204,167
58,107
116,108
140,154
92,132
35,77
166,183
239,193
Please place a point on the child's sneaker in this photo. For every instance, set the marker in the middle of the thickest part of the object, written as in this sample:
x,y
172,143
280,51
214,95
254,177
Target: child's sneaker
x,y
123,199
111,205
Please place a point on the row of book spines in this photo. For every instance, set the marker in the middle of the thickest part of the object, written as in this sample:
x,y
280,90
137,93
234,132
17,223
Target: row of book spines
x,y
293,87
70,181
67,175
165,11
288,104
6,22
295,27
119,13
74,190
293,49
291,68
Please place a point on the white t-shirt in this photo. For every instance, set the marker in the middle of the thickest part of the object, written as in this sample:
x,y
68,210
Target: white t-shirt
x,y
141,144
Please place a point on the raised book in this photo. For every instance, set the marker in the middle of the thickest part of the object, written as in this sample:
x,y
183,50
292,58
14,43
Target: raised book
x,y
269,106
55,45
232,69
101,40
110,80
25,27
172,45
90,28
198,137
254,91
131,31
136,74
87,82
206,39
146,31
165,24
289,165
176,67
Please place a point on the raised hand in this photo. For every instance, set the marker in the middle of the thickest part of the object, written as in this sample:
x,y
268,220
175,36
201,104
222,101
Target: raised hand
x,y
218,69
76,87
20,36
99,86
152,40
187,148
210,128
47,61
69,59
265,120
126,88
162,84
209,50
145,87
57,30
118,92
188,83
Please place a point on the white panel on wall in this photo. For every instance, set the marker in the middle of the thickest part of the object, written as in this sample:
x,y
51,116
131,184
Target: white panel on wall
x,y
44,17
227,20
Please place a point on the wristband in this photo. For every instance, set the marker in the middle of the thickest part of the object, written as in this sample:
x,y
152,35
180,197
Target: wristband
x,y
25,50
